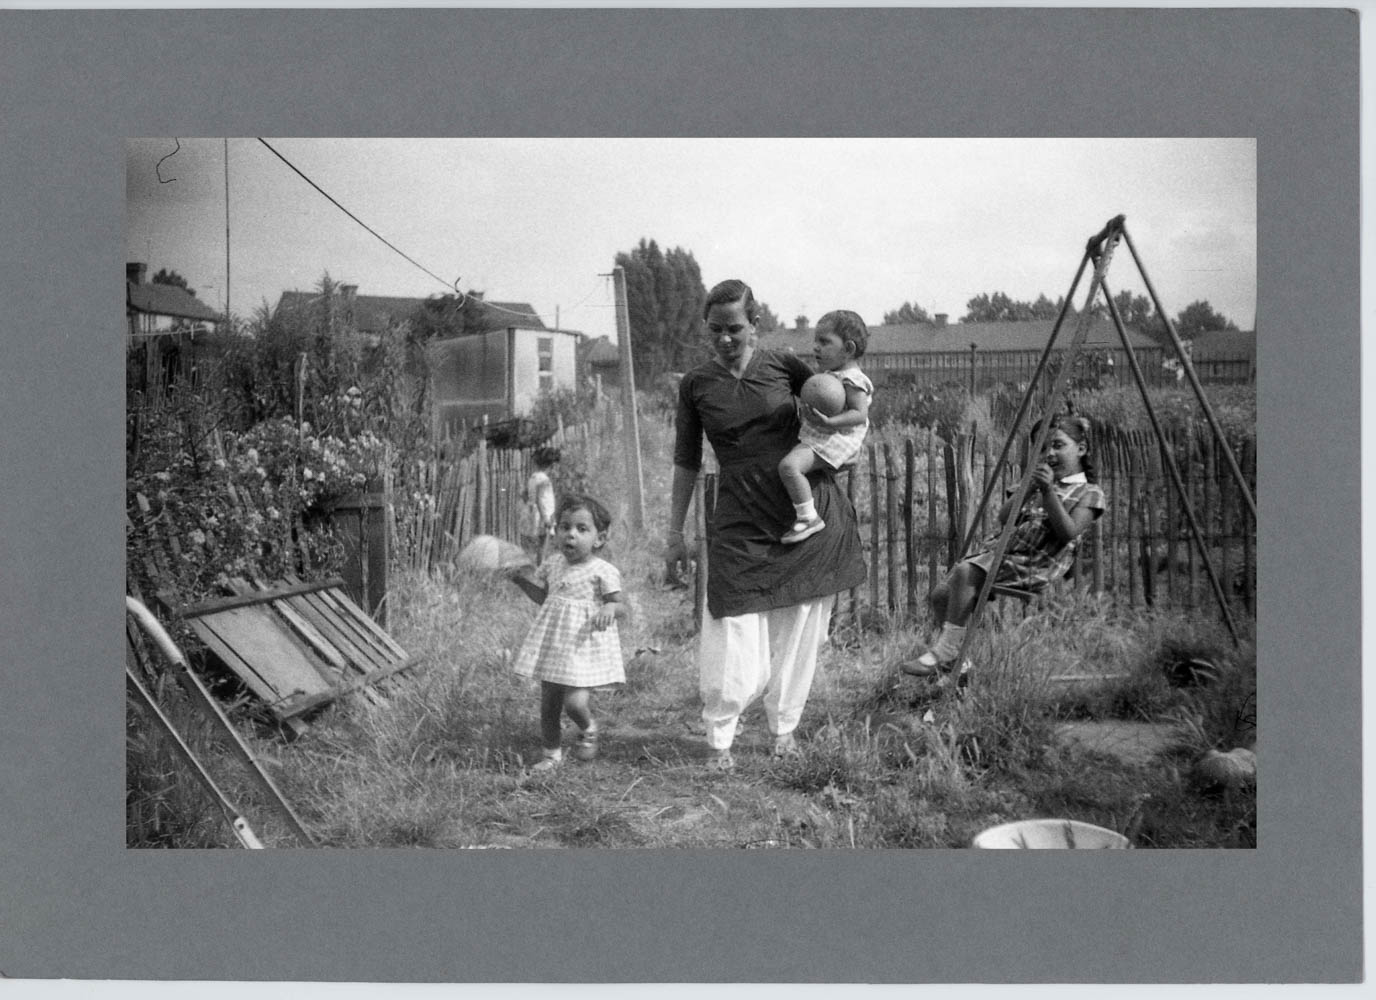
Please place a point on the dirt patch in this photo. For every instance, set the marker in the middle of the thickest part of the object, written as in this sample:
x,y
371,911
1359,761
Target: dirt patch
x,y
1136,744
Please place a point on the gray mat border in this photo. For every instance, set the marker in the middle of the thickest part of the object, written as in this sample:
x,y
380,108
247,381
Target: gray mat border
x,y
74,84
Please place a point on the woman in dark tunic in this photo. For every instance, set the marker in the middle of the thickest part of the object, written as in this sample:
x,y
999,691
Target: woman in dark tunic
x,y
768,604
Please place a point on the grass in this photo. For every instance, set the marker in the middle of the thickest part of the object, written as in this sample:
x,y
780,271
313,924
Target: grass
x,y
439,760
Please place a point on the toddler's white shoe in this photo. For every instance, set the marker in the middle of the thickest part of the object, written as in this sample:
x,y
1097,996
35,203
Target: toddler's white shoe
x,y
801,530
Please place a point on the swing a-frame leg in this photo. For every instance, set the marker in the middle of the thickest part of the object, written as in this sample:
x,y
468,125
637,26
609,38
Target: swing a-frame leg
x,y
1099,253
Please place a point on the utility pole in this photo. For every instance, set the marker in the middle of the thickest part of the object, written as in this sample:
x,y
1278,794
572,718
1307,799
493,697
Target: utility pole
x,y
632,425
226,231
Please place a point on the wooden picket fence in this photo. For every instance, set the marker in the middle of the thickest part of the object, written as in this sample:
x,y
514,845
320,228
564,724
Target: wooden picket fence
x,y
915,497
441,503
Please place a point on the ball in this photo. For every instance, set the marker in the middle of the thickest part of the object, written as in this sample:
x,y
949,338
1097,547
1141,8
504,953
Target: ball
x,y
488,554
825,393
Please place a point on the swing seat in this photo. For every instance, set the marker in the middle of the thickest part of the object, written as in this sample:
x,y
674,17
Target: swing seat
x,y
1027,599
1017,593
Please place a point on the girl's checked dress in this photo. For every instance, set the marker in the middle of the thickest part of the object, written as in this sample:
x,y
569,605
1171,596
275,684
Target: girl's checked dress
x,y
1034,557
562,646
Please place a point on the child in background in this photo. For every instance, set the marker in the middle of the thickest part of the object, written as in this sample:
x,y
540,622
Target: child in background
x,y
1062,501
574,645
838,345
537,511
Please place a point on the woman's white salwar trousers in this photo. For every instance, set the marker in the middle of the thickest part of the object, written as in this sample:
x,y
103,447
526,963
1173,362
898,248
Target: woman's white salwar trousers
x,y
769,655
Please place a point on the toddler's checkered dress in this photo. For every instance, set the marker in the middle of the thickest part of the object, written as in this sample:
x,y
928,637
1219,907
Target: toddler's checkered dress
x,y
837,447
562,646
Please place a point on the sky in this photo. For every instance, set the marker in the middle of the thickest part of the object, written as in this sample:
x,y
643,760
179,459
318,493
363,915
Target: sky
x,y
811,224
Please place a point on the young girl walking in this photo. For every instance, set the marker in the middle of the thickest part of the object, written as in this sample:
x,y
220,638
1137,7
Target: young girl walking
x,y
573,646
537,509
825,441
1062,501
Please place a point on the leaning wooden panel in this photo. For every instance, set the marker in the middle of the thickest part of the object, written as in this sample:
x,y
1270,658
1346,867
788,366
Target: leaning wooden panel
x,y
348,634
275,654
257,683
360,656
353,619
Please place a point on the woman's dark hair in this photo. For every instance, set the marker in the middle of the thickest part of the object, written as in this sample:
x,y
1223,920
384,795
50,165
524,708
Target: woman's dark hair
x,y
601,518
732,290
849,327
1079,430
545,456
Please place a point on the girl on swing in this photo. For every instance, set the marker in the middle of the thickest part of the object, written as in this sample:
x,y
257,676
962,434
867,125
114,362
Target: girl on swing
x,y
1062,500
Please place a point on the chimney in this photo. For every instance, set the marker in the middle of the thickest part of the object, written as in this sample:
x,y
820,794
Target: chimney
x,y
349,293
134,271
941,320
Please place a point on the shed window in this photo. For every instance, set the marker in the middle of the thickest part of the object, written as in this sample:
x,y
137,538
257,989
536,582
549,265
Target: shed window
x,y
545,351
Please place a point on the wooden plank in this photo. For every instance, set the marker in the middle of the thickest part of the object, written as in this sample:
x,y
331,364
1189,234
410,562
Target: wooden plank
x,y
274,653
363,685
874,529
1249,528
1172,521
927,533
357,619
1208,471
909,542
1226,532
352,618
244,670
318,644
361,656
891,526
1098,535
953,539
1107,457
252,597
1187,481
1133,580
850,495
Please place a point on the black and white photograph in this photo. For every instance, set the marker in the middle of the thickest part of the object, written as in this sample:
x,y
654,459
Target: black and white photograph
x,y
418,494
682,495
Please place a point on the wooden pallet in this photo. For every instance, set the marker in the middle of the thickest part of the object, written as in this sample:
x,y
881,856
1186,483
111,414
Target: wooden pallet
x,y
295,645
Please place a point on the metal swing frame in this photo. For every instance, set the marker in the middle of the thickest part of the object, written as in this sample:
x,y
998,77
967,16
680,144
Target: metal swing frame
x,y
1099,252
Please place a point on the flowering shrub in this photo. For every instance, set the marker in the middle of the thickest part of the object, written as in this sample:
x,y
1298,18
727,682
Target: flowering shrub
x,y
255,506
320,469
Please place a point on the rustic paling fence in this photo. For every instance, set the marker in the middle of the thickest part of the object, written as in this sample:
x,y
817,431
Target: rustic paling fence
x,y
441,503
915,497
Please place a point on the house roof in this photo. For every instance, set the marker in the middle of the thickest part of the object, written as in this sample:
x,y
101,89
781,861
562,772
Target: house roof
x,y
1224,344
928,338
372,313
166,300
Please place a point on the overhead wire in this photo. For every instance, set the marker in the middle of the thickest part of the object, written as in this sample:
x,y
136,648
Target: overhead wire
x,y
448,284
336,204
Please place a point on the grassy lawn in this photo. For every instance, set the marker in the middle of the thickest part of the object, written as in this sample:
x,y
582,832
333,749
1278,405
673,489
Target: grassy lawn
x,y
439,758
888,761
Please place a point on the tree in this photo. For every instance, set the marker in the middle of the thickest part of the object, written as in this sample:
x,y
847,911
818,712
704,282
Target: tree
x,y
996,307
664,297
1199,317
1135,310
767,321
166,277
1044,308
908,313
442,316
